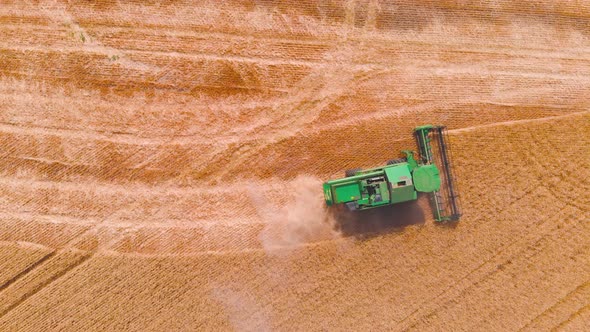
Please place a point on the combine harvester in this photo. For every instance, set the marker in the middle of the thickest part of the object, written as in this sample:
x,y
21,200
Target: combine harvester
x,y
402,179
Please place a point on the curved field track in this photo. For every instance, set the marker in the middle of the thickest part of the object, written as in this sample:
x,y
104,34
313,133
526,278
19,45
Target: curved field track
x,y
161,165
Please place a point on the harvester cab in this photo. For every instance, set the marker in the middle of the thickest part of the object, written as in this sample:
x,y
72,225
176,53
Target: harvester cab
x,y
402,179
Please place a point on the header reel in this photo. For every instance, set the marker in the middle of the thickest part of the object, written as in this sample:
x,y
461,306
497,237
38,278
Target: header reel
x,y
434,149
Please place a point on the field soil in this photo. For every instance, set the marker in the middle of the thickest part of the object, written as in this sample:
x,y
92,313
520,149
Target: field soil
x,y
161,165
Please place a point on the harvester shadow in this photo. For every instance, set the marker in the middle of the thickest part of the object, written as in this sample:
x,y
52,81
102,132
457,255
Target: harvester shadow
x,y
374,222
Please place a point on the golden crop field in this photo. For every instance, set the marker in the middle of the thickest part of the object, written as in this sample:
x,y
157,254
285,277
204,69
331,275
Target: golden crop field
x,y
161,165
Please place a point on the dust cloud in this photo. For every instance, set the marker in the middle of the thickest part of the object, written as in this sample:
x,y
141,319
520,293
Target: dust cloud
x,y
244,313
302,219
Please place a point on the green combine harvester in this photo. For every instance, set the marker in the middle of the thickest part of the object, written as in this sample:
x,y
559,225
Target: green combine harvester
x,y
402,179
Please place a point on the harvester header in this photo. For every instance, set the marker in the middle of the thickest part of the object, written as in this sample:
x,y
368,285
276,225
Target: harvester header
x,y
402,179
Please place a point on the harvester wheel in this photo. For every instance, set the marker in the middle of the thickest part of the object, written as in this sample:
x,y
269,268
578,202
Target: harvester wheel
x,y
352,172
396,161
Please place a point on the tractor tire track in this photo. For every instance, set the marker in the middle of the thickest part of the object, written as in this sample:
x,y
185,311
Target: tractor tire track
x,y
27,270
483,271
582,288
488,268
45,283
571,318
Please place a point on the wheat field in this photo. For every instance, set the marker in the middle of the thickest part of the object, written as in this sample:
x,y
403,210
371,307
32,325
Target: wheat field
x,y
161,165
